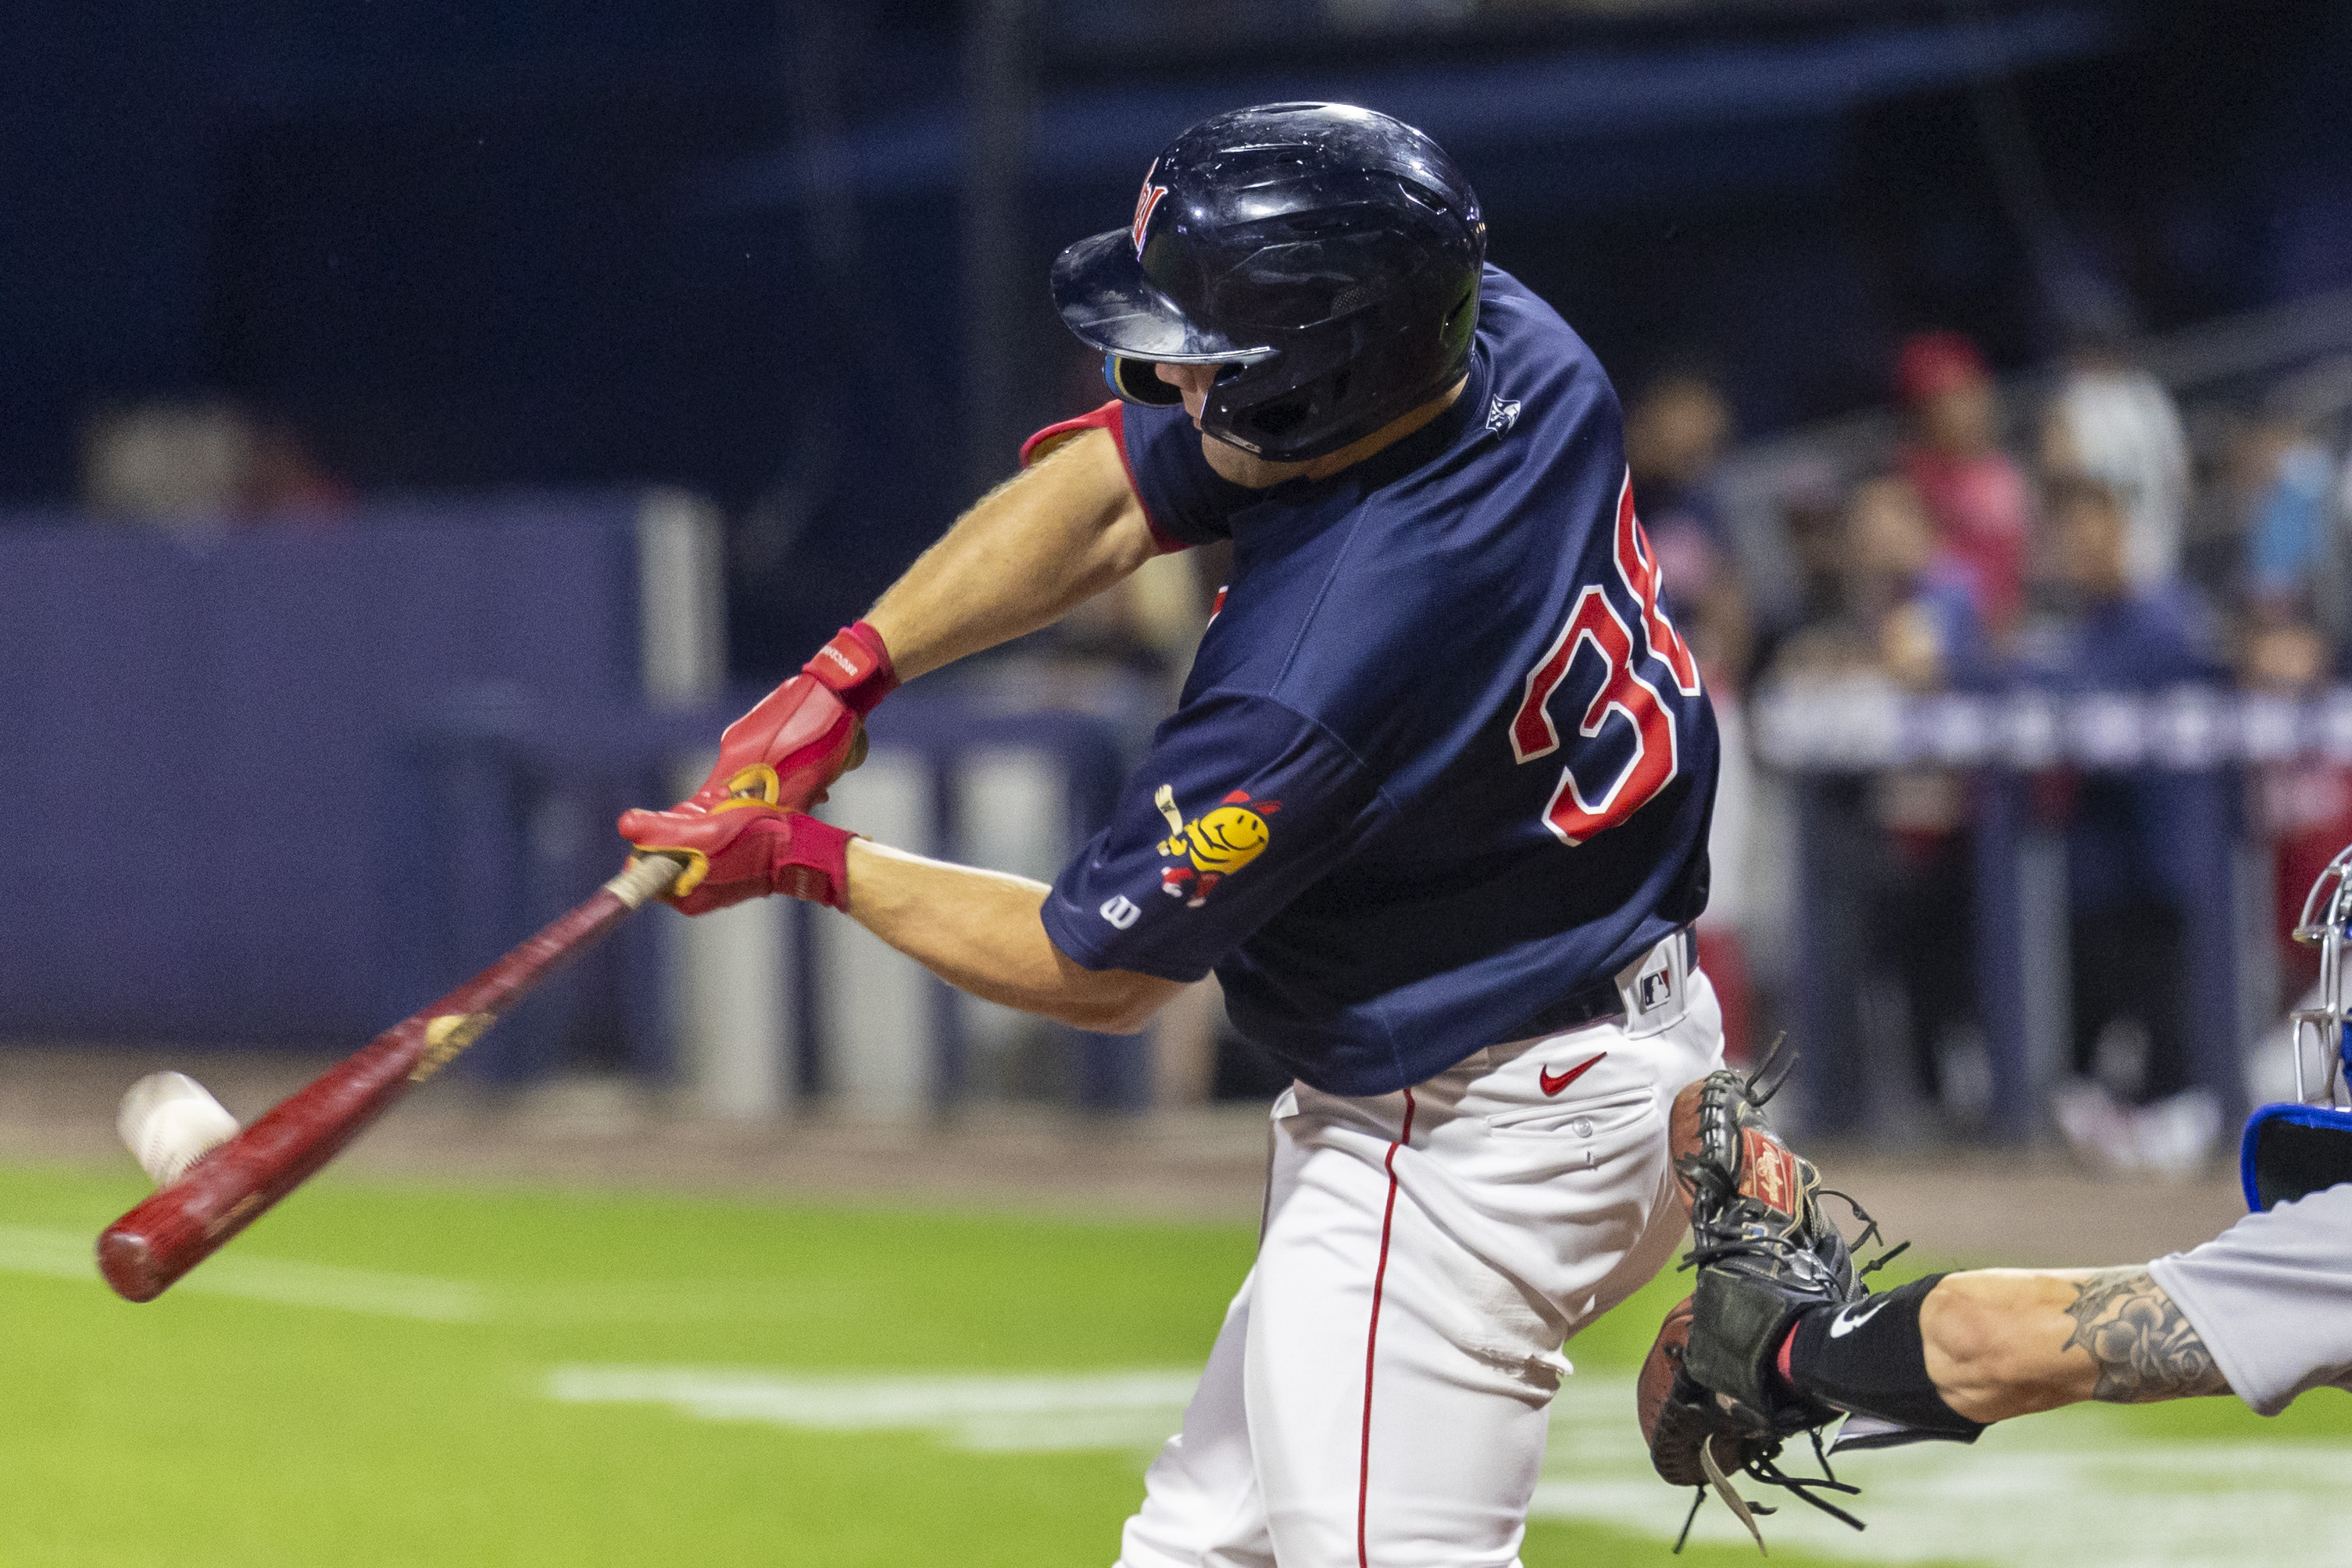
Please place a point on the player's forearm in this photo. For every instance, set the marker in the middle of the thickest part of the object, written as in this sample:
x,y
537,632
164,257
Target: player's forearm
x,y
2003,1343
1053,536
980,931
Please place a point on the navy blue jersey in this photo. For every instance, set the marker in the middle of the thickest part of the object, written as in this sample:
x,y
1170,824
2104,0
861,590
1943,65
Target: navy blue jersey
x,y
1441,761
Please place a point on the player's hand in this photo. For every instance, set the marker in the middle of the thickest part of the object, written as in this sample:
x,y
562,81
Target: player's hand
x,y
808,732
745,850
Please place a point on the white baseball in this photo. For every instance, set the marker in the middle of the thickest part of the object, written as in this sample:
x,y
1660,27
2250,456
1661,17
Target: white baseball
x,y
168,1122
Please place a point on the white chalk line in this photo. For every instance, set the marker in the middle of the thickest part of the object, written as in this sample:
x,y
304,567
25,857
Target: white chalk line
x,y
2066,1486
2063,1487
235,1272
67,1255
1007,1413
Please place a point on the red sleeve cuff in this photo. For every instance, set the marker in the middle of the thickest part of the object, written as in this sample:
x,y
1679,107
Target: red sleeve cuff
x,y
1111,416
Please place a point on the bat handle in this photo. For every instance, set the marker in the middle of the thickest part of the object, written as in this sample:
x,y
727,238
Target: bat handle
x,y
645,877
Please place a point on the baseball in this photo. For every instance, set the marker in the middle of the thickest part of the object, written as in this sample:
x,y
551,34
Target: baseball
x,y
168,1122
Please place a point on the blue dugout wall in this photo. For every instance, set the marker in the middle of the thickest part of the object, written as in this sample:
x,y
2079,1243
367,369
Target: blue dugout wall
x,y
200,736
279,787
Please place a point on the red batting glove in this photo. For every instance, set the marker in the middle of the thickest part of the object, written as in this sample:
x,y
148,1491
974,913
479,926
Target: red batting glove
x,y
745,850
806,732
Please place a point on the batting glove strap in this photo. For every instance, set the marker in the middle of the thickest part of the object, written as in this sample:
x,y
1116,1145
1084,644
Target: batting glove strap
x,y
856,666
752,852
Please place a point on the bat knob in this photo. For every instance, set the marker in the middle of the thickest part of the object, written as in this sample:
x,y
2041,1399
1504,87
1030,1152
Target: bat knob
x,y
129,1264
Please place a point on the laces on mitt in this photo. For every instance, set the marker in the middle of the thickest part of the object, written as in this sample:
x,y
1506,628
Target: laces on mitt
x,y
1737,1222
1762,1463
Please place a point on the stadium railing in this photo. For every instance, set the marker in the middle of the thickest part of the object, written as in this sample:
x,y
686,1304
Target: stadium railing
x,y
2201,737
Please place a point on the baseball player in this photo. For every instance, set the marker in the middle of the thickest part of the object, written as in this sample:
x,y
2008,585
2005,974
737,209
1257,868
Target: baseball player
x,y
2263,1310
1433,807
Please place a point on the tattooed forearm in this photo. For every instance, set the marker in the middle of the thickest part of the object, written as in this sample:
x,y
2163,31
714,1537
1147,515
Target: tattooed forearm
x,y
2144,1347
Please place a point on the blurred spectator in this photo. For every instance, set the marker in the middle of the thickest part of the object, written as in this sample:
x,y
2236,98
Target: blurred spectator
x,y
160,460
1149,621
1973,492
2302,806
2285,657
284,480
1812,520
2131,1106
205,460
2280,477
1906,617
2113,422
1674,435
1903,611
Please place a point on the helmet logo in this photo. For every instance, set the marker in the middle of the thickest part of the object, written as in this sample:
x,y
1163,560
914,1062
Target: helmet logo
x,y
1146,202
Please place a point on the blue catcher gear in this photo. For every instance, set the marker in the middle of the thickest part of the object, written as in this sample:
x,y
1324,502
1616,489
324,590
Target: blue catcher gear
x,y
2293,1149
1328,257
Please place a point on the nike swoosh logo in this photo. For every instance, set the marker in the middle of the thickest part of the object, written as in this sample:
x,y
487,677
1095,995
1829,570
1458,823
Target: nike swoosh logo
x,y
1846,1321
1553,1083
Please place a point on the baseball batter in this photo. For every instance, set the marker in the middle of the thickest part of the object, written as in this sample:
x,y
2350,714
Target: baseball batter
x,y
1433,807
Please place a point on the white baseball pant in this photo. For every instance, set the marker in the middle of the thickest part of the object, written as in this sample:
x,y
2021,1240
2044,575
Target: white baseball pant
x,y
1377,1398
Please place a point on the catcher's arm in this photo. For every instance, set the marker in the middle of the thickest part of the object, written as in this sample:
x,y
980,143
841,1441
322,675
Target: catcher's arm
x,y
1983,1347
1056,534
2003,1343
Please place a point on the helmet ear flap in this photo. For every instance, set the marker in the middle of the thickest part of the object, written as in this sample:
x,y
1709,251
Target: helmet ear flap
x,y
1137,380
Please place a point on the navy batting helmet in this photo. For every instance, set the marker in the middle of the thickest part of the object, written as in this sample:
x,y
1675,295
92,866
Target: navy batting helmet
x,y
1327,256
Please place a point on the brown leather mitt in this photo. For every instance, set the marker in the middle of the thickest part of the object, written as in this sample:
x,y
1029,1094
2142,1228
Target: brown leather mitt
x,y
1678,1418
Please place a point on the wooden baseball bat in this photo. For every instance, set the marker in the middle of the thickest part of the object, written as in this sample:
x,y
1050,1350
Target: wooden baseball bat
x,y
144,1251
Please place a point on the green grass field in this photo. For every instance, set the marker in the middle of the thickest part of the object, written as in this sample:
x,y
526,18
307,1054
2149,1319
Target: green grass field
x,y
415,1374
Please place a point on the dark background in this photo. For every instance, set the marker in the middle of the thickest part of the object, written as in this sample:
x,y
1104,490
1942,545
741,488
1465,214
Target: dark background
x,y
720,243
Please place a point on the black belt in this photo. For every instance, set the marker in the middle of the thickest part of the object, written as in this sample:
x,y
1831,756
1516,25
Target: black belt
x,y
1598,998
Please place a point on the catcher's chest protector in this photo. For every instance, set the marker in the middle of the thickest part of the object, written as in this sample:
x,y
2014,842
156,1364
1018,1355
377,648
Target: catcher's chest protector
x,y
2291,1151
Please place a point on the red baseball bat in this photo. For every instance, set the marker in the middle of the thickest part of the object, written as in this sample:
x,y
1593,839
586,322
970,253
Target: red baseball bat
x,y
142,1253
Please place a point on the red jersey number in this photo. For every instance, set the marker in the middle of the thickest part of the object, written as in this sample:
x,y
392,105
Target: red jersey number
x,y
1639,571
1572,814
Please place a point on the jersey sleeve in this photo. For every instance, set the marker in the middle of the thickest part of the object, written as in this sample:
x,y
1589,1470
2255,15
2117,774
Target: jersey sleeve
x,y
1185,502
1111,417
1243,804
1192,503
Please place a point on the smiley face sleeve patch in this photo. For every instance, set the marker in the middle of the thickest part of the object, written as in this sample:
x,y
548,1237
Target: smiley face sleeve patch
x,y
1242,805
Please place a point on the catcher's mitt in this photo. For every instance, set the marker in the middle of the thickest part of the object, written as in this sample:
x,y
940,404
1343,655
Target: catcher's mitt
x,y
1678,1418
1765,1254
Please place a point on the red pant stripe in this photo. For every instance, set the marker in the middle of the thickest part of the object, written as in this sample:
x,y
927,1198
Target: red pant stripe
x,y
1372,1336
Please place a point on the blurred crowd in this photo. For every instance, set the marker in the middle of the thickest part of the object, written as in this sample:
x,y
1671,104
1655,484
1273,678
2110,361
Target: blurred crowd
x,y
2073,539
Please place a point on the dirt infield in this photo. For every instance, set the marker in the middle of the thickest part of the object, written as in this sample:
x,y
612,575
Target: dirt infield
x,y
58,1104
